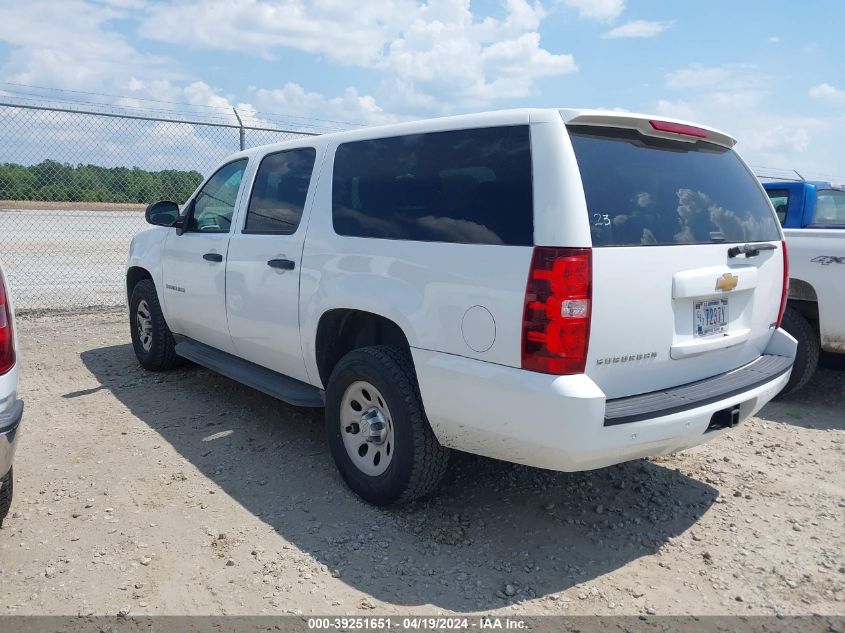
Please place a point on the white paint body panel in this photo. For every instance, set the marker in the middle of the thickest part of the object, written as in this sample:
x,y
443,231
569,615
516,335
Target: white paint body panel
x,y
699,282
664,282
197,305
556,422
476,396
262,303
826,276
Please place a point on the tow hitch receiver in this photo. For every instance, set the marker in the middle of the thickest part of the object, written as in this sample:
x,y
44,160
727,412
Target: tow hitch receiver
x,y
724,419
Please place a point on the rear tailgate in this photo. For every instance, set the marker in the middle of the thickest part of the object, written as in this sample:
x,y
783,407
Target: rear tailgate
x,y
643,330
672,302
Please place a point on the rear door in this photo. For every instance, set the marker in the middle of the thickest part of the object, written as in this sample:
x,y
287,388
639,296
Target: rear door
x,y
673,302
264,261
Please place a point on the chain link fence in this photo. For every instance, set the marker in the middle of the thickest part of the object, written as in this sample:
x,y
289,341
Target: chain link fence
x,y
74,185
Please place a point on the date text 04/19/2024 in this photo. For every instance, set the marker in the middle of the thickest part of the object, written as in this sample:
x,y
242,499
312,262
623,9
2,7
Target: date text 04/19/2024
x,y
430,623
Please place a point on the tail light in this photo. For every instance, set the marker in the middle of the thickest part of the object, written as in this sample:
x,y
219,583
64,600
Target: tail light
x,y
7,337
556,320
785,289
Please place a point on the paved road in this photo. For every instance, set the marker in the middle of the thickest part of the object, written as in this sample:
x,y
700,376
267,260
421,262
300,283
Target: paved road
x,y
66,258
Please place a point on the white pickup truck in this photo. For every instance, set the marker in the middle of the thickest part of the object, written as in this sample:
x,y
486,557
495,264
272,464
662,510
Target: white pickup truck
x,y
566,289
813,219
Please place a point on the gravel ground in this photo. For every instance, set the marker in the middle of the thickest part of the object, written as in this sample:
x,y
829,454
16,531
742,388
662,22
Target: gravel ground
x,y
186,493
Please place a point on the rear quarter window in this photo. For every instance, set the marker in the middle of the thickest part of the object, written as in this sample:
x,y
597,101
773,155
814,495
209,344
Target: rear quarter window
x,y
645,191
464,186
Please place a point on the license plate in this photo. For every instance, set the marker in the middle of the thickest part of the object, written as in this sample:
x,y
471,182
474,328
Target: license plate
x,y
710,317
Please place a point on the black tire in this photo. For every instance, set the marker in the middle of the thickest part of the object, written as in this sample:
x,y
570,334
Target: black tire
x,y
161,354
6,490
807,354
419,461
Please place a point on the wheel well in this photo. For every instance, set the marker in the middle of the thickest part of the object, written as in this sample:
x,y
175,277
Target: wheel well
x,y
807,309
801,290
342,330
133,276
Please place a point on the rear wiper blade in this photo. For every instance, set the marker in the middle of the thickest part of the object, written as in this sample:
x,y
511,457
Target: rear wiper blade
x,y
750,250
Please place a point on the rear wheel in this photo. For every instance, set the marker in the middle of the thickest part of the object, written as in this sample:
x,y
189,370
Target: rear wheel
x,y
377,430
807,354
152,340
6,489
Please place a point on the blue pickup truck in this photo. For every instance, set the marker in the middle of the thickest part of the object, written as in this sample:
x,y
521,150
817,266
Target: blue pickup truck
x,y
813,219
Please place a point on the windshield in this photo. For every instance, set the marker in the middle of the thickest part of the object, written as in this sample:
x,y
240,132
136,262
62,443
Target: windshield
x,y
645,191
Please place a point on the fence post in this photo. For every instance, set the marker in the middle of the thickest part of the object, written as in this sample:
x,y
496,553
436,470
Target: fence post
x,y
240,129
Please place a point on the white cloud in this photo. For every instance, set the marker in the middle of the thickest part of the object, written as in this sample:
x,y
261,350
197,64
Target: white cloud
x,y
737,99
604,10
826,92
726,76
200,93
638,28
67,45
294,101
346,32
774,39
434,55
450,61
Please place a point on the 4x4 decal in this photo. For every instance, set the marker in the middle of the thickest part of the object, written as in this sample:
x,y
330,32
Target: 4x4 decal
x,y
827,260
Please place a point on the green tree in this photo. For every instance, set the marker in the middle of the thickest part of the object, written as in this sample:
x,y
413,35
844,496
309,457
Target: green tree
x,y
61,182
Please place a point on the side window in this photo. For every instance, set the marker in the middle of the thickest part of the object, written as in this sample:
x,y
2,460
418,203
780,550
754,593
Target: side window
x,y
464,186
278,195
780,201
830,208
215,203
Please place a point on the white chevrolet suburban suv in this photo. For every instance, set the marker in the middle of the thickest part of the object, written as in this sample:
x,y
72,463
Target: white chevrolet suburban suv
x,y
566,289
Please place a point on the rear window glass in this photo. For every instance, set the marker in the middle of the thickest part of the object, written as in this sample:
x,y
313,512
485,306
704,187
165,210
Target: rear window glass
x,y
645,191
830,208
465,186
780,201
279,192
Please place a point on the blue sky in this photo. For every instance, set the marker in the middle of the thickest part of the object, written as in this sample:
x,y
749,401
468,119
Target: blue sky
x,y
770,73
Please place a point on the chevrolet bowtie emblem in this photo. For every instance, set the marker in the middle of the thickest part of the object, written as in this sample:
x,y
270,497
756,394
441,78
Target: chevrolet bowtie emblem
x,y
726,282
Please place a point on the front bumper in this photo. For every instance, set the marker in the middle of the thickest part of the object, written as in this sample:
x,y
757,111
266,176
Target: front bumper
x,y
559,422
10,421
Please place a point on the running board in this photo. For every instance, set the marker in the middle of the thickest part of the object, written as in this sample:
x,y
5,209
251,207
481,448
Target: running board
x,y
272,383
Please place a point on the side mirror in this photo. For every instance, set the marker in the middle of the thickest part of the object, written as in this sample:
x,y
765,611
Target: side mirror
x,y
162,213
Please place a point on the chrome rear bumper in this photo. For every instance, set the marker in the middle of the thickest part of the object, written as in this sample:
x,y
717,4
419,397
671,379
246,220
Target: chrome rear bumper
x,y
10,422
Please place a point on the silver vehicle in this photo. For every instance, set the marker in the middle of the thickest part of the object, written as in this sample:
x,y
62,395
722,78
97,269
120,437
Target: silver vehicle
x,y
11,407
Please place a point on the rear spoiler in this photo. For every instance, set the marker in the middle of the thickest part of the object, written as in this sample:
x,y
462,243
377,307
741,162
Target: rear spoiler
x,y
648,125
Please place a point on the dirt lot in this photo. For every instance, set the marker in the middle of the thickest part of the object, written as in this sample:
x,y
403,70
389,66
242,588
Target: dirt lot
x,y
186,493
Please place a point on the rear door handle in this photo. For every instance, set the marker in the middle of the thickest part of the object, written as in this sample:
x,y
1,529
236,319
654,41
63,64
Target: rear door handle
x,y
213,257
282,264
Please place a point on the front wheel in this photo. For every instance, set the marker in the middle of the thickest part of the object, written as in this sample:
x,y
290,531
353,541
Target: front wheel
x,y
152,340
377,430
